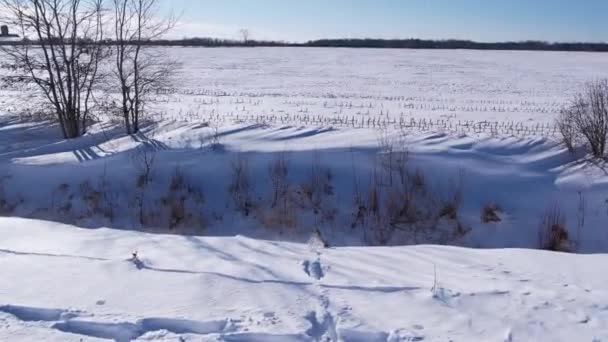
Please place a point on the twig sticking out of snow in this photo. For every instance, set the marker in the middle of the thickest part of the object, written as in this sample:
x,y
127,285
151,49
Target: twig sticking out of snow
x,y
136,261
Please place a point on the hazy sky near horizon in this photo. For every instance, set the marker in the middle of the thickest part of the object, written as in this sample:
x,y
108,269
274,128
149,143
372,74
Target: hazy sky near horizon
x,y
481,20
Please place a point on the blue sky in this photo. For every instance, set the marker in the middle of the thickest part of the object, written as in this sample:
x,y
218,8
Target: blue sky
x,y
482,20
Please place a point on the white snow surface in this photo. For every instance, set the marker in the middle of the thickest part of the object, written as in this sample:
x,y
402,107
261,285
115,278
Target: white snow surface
x,y
62,283
485,115
346,87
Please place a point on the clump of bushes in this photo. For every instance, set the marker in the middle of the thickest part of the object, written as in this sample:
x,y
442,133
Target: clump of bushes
x,y
586,119
281,211
289,203
490,213
398,206
183,203
315,192
553,234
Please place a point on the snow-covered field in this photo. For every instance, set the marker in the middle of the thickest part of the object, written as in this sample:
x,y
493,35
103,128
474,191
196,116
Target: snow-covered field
x,y
62,283
463,91
479,134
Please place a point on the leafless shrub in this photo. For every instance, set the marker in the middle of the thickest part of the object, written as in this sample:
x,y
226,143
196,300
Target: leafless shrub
x,y
449,209
91,198
380,214
277,172
409,209
387,147
450,206
568,130
240,185
61,202
143,159
315,191
418,181
7,205
580,217
384,210
282,212
215,140
587,116
100,200
358,196
393,159
389,202
490,213
368,212
318,185
379,208
451,201
553,234
183,202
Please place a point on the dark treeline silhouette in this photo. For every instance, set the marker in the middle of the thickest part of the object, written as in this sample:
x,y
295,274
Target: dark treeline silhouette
x,y
457,44
202,42
215,42
371,43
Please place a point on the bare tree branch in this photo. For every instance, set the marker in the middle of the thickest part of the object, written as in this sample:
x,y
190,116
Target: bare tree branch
x,y
139,71
60,54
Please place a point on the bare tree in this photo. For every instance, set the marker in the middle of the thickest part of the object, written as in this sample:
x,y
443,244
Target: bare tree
x,y
60,54
588,117
138,69
245,34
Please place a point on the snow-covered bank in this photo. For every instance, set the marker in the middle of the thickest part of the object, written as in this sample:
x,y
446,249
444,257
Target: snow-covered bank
x,y
92,182
62,283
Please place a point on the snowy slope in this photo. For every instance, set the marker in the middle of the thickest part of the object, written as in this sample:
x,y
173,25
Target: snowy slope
x,y
61,283
524,176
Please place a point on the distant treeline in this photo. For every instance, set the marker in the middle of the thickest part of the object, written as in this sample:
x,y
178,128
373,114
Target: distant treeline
x,y
371,43
457,44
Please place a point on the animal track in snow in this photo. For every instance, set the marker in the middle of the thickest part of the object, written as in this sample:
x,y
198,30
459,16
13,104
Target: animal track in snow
x,y
313,269
67,321
126,331
322,327
28,314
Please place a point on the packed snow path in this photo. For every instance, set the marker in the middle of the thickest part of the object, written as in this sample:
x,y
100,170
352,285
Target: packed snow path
x,y
61,283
